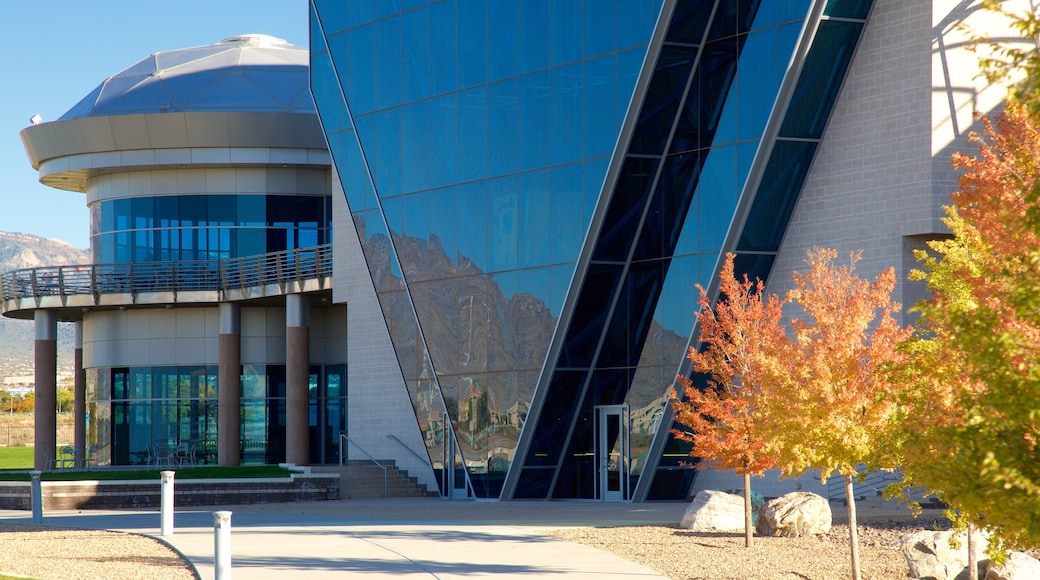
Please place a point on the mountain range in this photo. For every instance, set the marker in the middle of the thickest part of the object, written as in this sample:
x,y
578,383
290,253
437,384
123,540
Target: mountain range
x,y
17,337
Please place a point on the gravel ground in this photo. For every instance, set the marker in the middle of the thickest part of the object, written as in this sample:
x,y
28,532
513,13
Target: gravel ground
x,y
681,555
676,553
45,553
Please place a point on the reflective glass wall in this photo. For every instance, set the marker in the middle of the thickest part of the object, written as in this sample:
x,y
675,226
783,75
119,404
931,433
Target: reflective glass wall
x,y
472,139
206,227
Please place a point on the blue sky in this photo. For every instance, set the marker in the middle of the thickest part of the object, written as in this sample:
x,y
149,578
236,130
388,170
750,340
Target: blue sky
x,y
54,52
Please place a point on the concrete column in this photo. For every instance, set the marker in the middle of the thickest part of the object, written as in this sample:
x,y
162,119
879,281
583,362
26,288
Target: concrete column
x,y
79,400
297,374
46,362
229,385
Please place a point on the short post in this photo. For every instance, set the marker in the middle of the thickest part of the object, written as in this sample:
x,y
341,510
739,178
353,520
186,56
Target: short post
x,y
222,545
166,503
36,497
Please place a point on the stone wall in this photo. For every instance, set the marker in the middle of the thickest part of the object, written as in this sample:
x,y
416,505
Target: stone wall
x,y
67,495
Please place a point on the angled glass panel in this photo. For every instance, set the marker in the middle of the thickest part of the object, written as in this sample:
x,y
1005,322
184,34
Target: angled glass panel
x,y
586,326
503,42
555,419
602,119
472,47
662,100
534,230
600,27
564,21
636,20
702,110
822,75
442,50
533,131
565,114
848,8
689,21
532,20
777,195
631,318
472,138
670,204
503,127
626,209
566,183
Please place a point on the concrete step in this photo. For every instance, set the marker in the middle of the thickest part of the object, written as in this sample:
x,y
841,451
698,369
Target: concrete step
x,y
366,480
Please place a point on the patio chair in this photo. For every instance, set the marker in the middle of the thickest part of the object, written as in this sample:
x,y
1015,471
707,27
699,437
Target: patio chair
x,y
66,457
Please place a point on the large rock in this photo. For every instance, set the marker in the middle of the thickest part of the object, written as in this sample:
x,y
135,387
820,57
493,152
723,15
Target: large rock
x,y
929,554
1018,566
799,513
714,511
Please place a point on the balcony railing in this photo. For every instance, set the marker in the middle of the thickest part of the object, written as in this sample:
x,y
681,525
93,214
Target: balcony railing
x,y
234,274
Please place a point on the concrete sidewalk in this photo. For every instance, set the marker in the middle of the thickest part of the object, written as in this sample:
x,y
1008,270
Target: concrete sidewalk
x,y
383,538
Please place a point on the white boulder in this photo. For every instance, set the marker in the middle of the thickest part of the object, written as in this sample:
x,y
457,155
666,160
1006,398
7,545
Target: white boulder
x,y
929,554
1018,566
714,511
795,514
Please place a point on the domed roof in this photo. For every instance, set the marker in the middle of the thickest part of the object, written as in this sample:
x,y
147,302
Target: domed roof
x,y
252,73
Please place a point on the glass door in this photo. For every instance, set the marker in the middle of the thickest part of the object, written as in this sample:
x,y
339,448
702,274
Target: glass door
x,y
612,452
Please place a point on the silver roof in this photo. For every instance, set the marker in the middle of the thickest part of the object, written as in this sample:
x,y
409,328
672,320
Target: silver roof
x,y
251,72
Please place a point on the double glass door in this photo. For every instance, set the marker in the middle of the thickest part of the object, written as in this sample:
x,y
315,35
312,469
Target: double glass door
x,y
328,412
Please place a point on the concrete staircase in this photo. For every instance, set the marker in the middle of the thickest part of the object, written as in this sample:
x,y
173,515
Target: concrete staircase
x,y
363,479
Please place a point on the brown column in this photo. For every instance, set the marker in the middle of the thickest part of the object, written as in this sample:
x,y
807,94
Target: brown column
x,y
229,385
46,363
79,397
297,375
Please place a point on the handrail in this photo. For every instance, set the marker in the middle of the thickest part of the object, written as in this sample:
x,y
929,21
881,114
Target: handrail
x,y
343,437
424,461
177,276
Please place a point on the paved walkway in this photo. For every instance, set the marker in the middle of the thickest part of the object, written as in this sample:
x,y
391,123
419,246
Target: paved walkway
x,y
383,538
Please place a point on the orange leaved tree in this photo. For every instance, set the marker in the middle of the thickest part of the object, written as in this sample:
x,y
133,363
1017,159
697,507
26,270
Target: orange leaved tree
x,y
737,337
833,406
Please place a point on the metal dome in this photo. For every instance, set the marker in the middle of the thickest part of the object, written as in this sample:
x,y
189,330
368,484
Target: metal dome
x,y
252,72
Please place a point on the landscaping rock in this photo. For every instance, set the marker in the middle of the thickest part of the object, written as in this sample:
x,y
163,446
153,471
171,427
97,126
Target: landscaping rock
x,y
714,511
1018,566
929,554
799,513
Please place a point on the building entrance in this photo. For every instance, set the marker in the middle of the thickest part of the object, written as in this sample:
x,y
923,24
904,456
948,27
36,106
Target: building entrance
x,y
612,452
328,412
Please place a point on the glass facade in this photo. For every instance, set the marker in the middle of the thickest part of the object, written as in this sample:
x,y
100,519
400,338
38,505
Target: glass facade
x,y
132,411
206,227
539,185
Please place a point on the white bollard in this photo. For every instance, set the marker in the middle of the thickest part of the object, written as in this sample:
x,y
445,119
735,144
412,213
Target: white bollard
x,y
166,503
36,497
222,545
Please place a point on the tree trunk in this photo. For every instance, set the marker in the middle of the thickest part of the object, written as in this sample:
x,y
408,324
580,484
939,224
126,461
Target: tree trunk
x,y
973,566
749,530
850,498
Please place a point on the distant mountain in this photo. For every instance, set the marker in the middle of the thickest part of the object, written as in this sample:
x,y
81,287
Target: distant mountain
x,y
17,337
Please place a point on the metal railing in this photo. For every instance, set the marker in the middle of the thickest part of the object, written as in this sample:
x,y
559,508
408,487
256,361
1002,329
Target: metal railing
x,y
424,461
172,276
343,458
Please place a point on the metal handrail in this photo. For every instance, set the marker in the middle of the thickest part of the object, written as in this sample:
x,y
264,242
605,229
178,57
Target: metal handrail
x,y
342,455
170,276
424,461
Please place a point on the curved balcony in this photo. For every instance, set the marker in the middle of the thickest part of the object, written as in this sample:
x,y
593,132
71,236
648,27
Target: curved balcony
x,y
73,289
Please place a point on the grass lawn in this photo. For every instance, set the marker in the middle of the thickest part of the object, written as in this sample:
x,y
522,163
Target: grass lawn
x,y
16,457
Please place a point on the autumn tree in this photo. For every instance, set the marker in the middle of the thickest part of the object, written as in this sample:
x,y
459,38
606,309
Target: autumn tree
x,y
737,335
976,406
833,407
